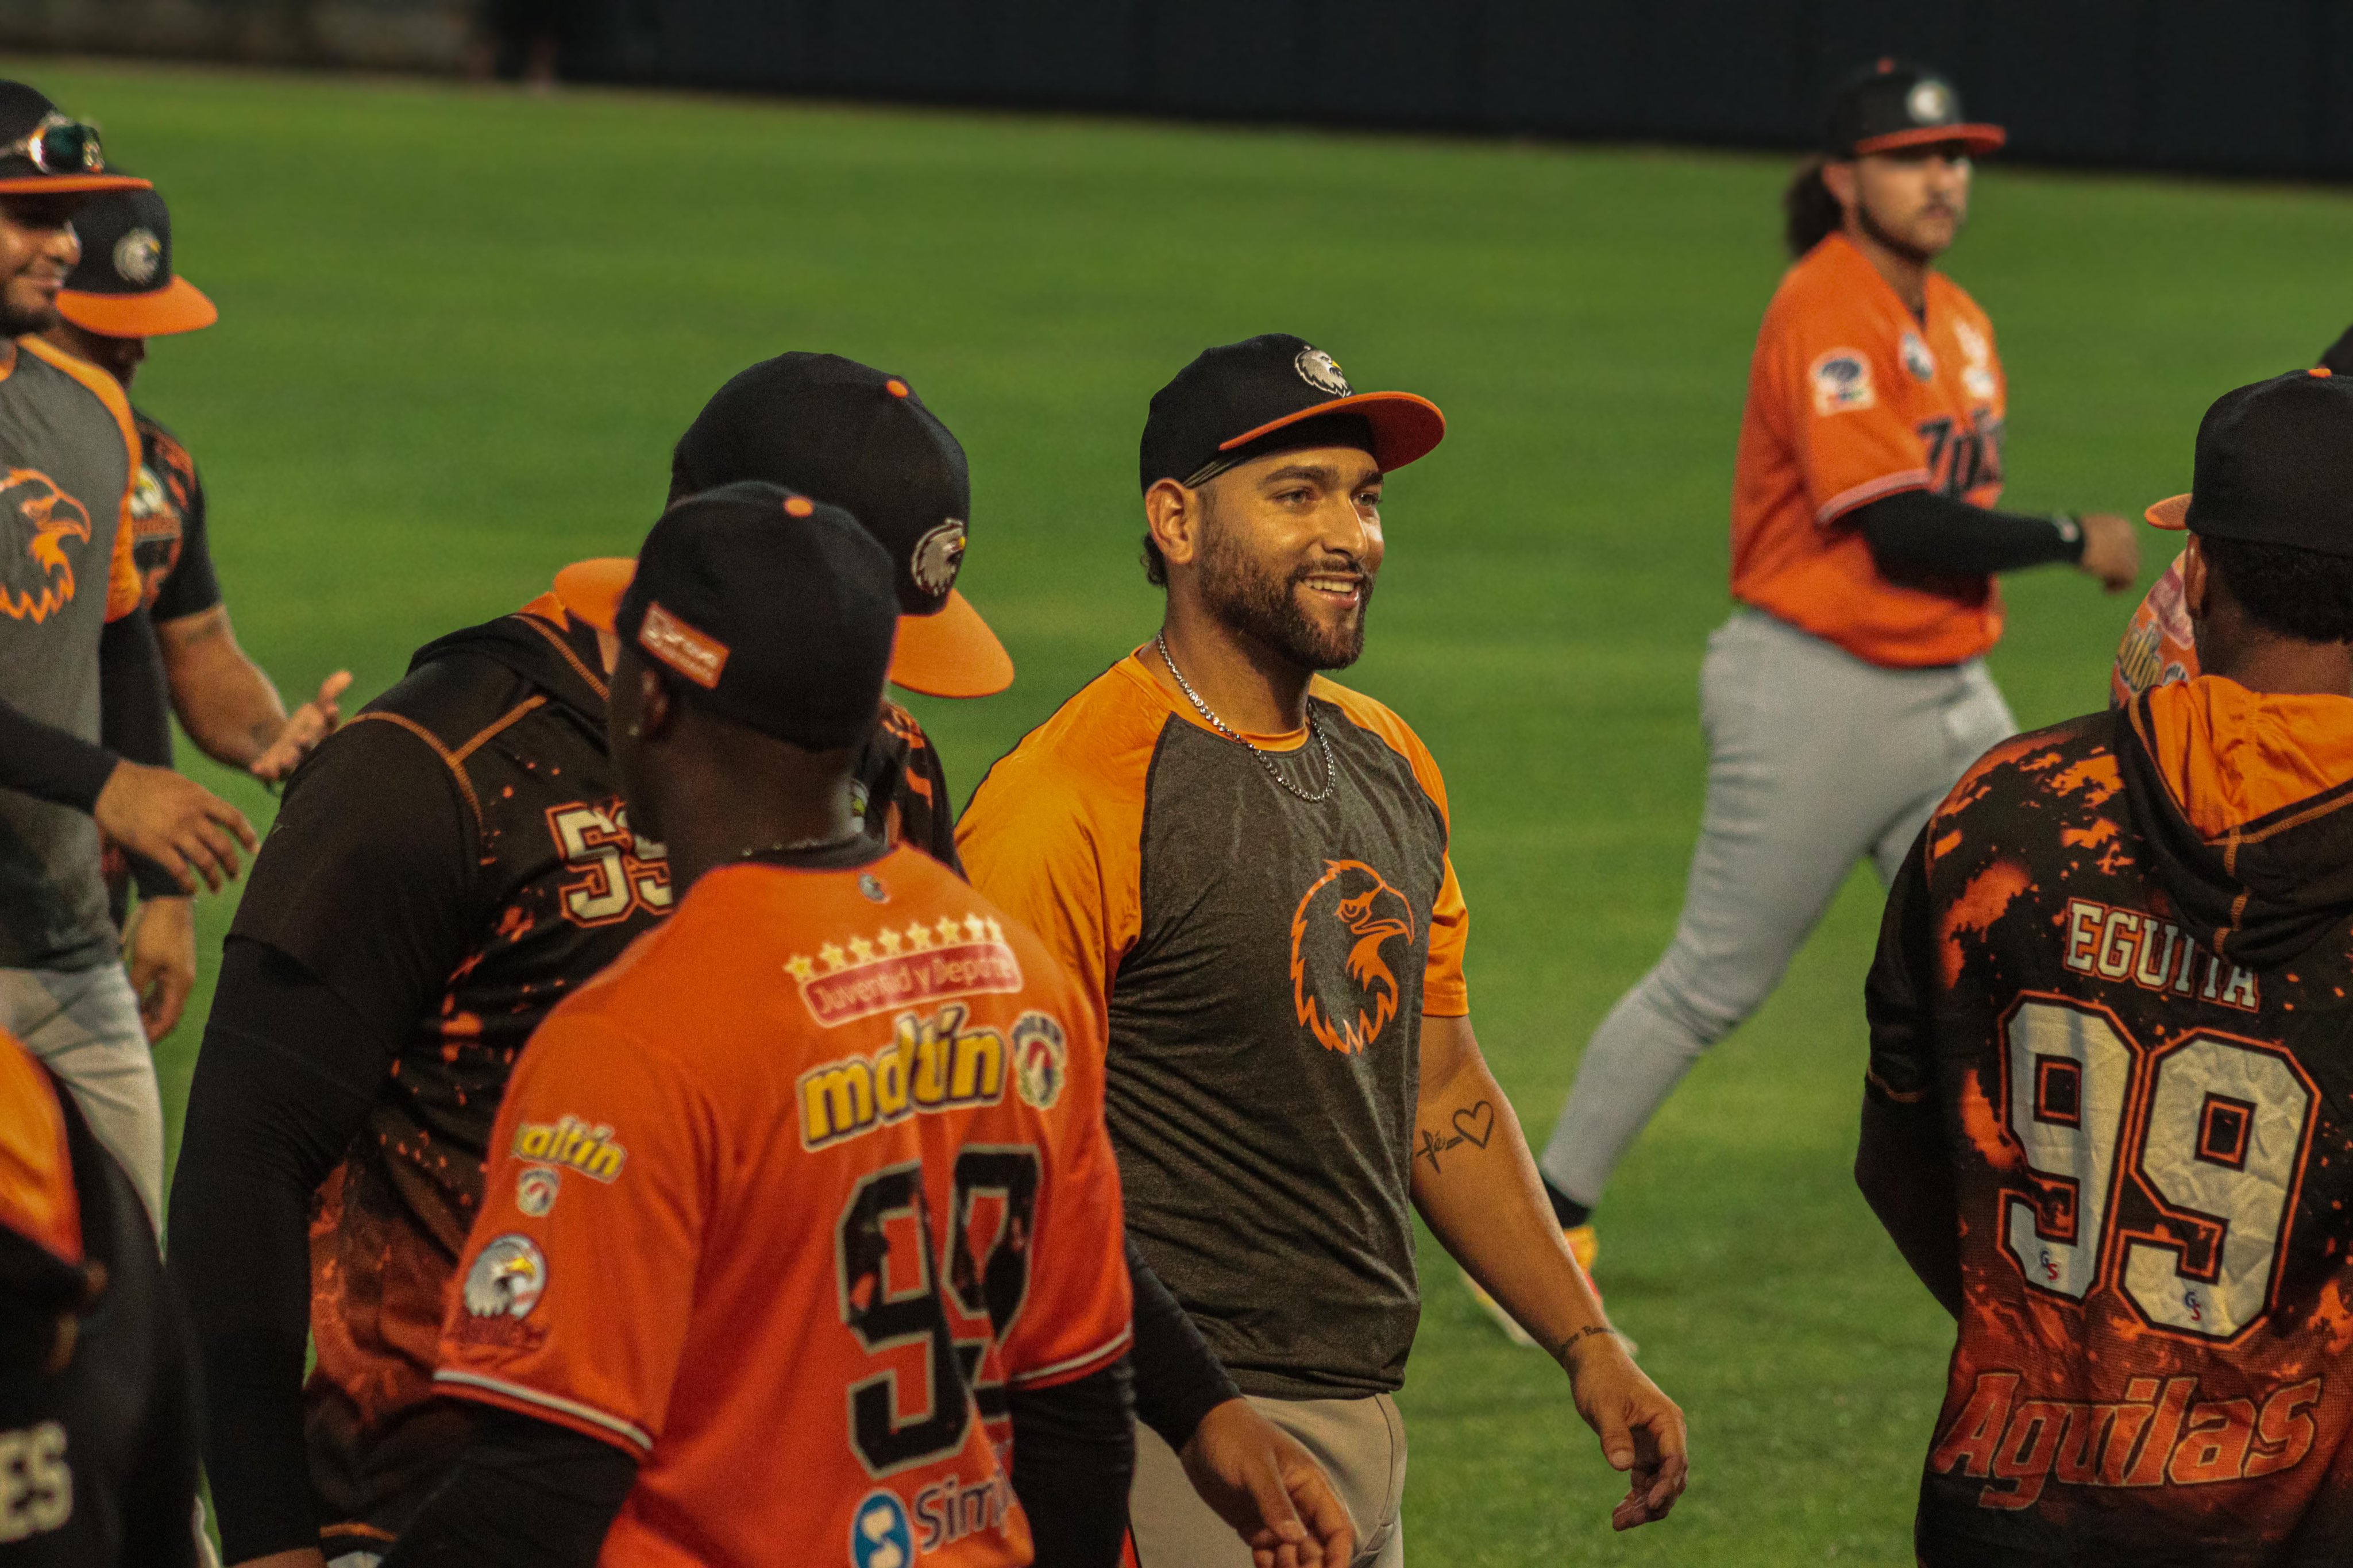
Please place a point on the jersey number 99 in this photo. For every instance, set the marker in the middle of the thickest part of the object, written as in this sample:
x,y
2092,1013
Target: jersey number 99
x,y
2215,1136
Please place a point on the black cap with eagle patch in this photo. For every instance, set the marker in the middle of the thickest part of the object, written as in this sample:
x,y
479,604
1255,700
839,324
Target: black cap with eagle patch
x,y
1889,105
860,439
1275,392
124,286
776,611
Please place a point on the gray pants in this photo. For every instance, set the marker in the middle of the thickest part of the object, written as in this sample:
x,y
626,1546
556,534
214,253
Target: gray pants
x,y
1360,1442
1816,759
84,1023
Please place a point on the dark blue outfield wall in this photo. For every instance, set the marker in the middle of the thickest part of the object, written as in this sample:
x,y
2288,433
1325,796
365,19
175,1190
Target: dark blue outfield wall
x,y
2250,86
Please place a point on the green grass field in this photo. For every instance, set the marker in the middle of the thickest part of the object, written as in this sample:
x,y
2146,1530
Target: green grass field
x,y
460,330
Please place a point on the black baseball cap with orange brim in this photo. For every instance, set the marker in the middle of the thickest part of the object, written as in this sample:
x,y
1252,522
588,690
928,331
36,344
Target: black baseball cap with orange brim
x,y
861,440
1889,106
125,285
1275,392
2273,465
44,153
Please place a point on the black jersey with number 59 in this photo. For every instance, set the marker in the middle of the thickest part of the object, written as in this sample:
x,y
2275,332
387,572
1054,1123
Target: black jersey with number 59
x,y
2118,963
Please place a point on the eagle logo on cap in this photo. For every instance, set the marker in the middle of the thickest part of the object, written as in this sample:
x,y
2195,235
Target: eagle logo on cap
x,y
1931,103
1318,370
137,256
938,556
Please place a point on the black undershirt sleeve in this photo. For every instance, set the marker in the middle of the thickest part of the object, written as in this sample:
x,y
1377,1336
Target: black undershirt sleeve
x,y
354,914
134,718
265,1125
1177,1378
525,1494
1919,533
46,762
1073,1456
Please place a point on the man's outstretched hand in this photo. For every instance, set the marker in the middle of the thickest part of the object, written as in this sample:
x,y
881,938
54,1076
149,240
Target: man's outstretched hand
x,y
1642,1430
2111,550
174,822
305,728
1260,1480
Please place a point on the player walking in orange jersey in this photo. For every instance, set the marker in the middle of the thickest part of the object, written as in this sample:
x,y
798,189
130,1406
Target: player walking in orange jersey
x,y
804,1210
1849,690
2106,1114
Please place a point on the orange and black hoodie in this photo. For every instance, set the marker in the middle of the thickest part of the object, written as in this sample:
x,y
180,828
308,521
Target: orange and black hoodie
x,y
2116,968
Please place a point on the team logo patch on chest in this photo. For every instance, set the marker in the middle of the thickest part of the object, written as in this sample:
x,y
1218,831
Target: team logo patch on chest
x,y
1916,357
40,517
1347,937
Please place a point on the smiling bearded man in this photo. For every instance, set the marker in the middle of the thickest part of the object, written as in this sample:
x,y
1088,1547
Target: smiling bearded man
x,y
1247,865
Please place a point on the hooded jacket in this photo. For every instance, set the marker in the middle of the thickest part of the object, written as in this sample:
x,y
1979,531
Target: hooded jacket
x,y
2116,967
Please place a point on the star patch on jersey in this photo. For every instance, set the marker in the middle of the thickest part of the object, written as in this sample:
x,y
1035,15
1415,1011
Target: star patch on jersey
x,y
1842,381
1916,357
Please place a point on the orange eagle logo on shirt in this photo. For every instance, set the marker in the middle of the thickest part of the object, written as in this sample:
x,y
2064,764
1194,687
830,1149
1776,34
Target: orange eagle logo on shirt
x,y
1350,902
30,500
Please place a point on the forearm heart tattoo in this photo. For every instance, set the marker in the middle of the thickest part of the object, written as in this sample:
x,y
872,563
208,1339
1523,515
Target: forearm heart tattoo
x,y
1472,1125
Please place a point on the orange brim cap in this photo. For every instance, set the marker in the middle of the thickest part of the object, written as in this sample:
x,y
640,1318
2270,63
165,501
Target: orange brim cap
x,y
2172,513
950,653
1975,138
71,184
1405,427
590,591
177,306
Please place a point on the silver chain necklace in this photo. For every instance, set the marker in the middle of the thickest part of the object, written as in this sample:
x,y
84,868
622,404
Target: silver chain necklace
x,y
1315,732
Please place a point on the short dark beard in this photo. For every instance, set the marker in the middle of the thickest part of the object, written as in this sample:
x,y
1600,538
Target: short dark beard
x,y
17,323
1254,603
1878,231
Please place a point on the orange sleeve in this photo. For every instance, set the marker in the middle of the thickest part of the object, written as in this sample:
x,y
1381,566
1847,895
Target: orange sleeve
x,y
1445,993
1844,392
1078,1317
574,1292
1061,851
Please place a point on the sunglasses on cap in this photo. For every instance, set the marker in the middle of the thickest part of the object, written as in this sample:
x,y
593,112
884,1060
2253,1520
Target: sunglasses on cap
x,y
59,145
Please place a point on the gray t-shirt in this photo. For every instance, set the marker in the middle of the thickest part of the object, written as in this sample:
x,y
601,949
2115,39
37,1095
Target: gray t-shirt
x,y
68,450
1265,963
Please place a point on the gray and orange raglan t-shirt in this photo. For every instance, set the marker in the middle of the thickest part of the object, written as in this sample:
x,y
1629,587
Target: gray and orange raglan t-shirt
x,y
68,451
1265,965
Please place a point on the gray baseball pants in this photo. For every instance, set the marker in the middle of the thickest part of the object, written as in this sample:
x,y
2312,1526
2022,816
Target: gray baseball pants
x,y
1816,759
84,1024
1360,1442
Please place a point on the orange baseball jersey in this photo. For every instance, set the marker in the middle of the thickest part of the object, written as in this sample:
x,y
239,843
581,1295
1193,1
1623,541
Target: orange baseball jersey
x,y
2158,646
1264,964
784,1203
2118,964
1851,398
37,1200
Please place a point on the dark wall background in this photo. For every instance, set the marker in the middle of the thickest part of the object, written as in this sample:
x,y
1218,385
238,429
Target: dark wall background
x,y
2262,86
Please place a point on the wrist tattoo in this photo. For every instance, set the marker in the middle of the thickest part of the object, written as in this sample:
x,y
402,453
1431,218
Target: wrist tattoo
x,y
1560,1352
1474,1125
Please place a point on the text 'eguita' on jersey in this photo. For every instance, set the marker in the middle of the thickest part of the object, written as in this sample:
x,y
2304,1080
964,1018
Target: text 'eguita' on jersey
x,y
2119,963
